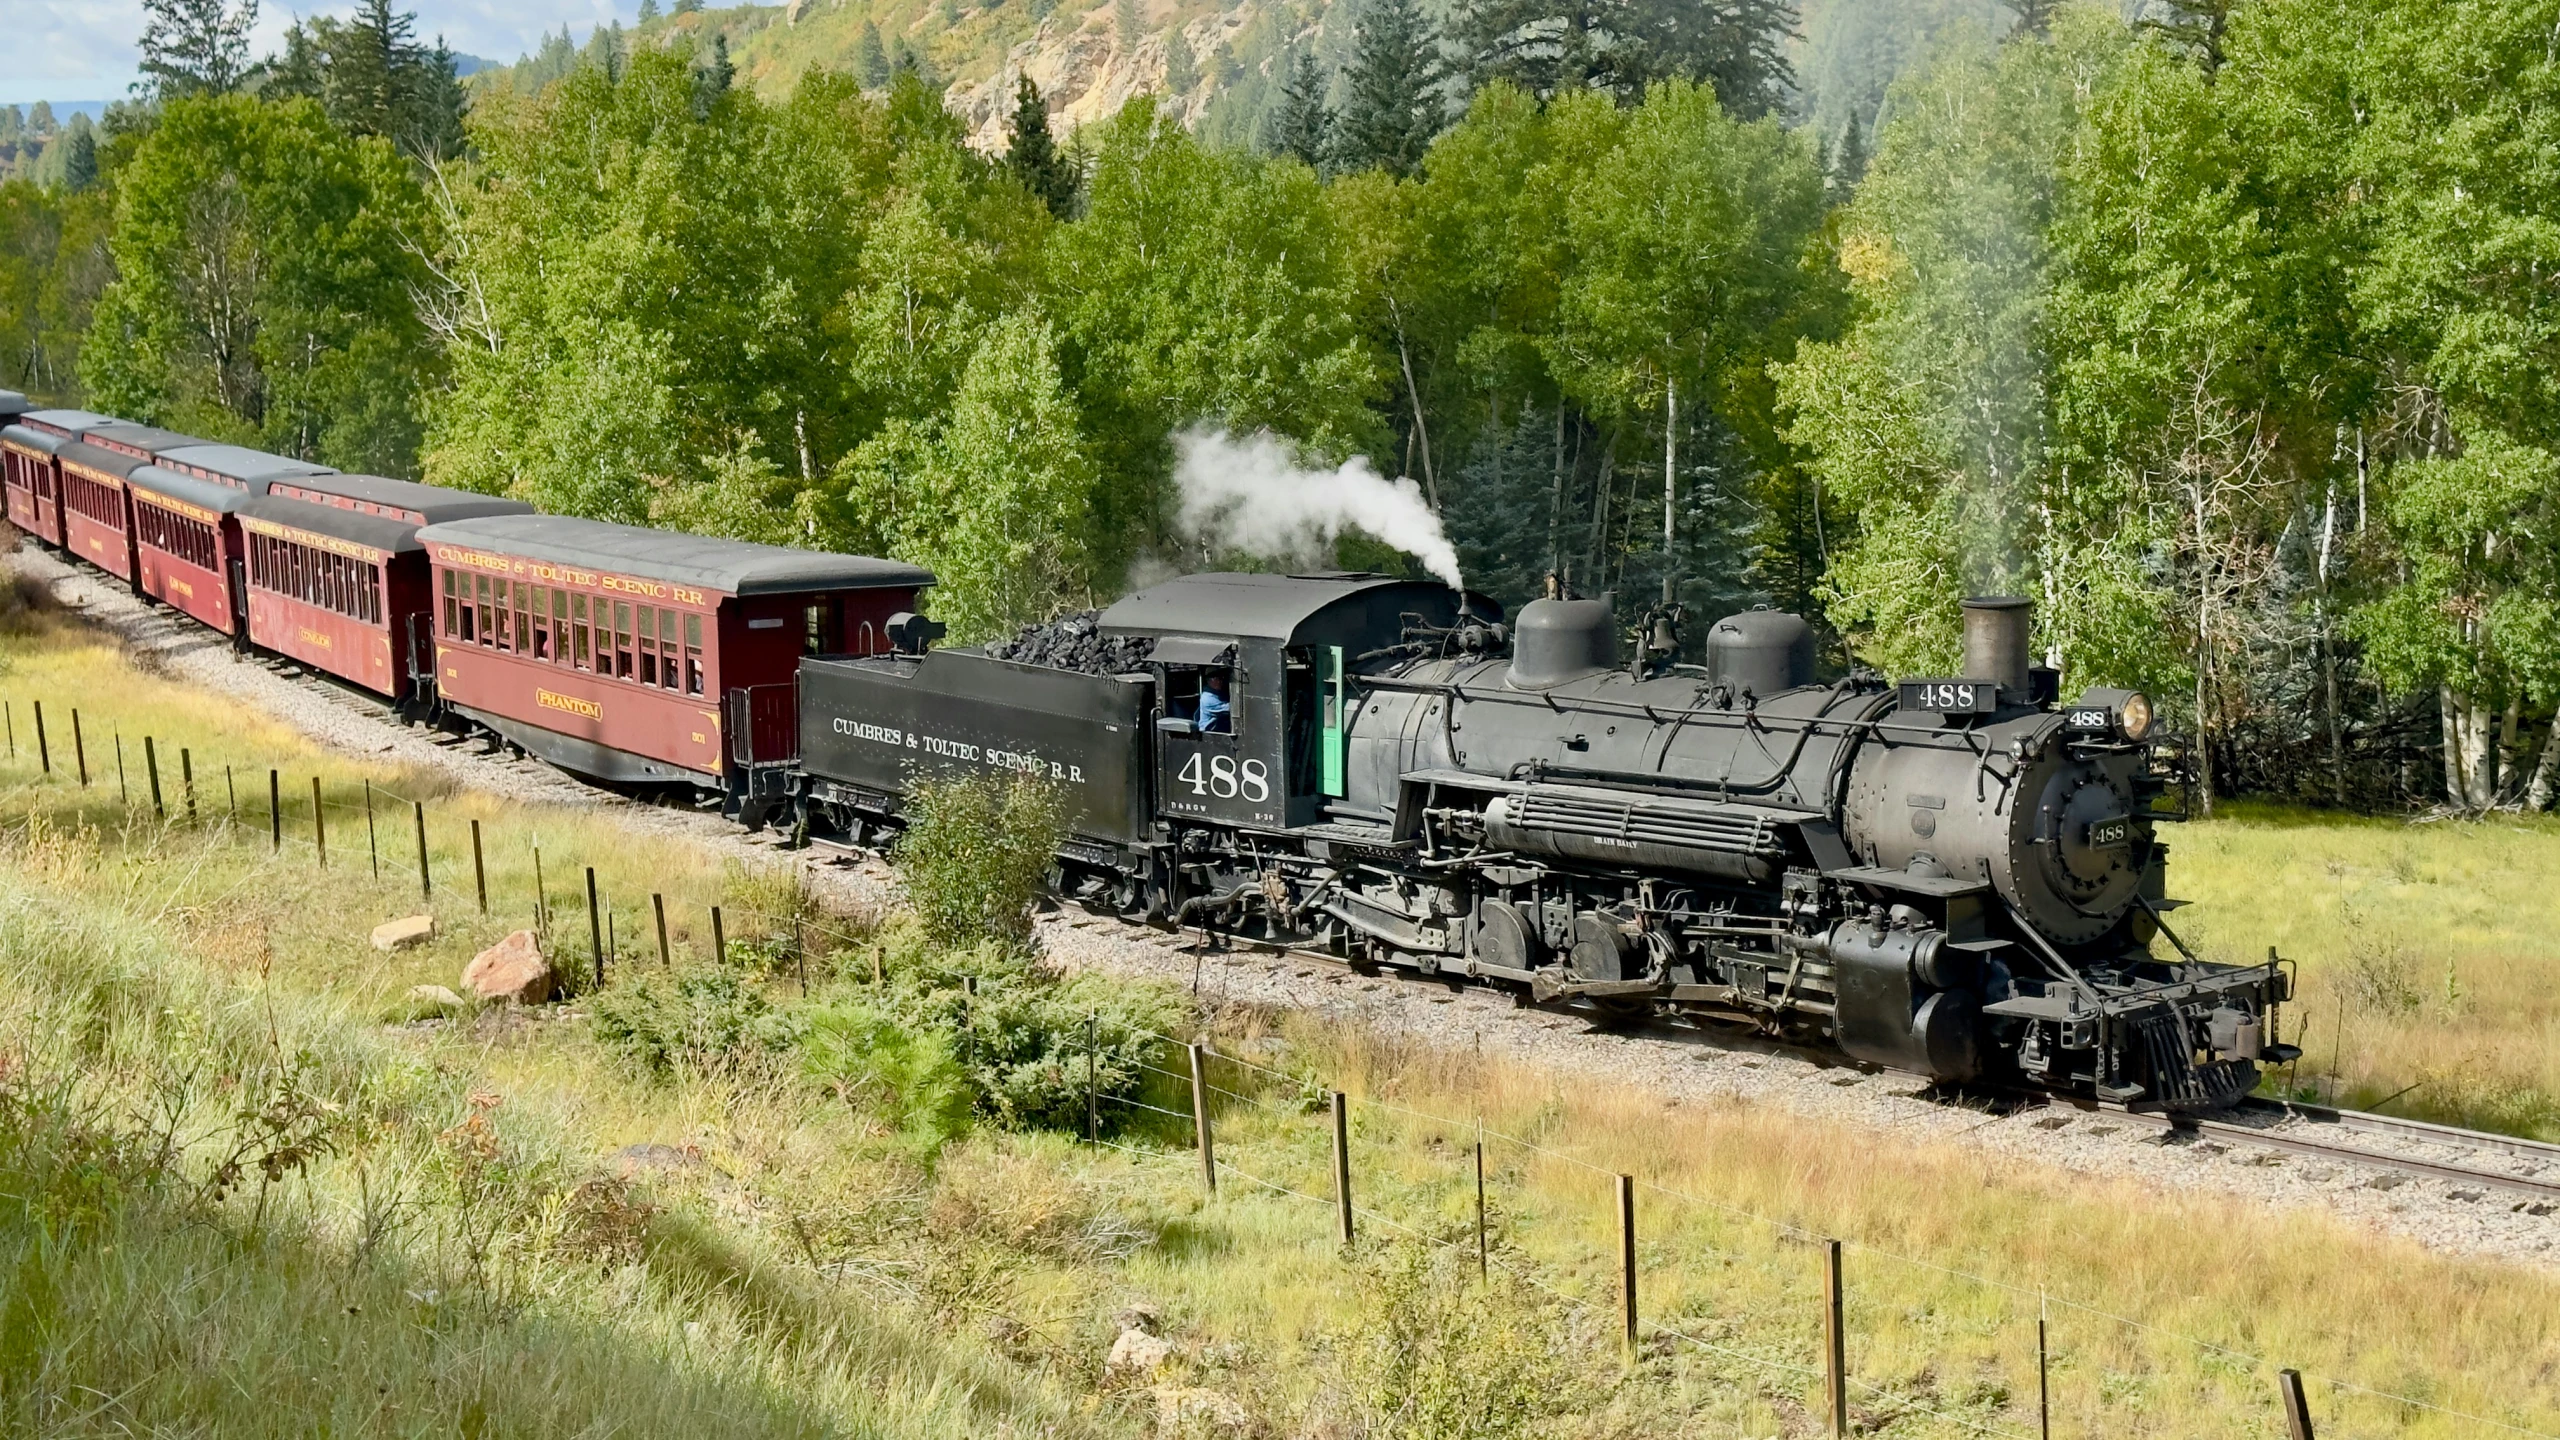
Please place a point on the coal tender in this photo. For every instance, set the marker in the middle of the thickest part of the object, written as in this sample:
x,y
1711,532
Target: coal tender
x,y
1957,877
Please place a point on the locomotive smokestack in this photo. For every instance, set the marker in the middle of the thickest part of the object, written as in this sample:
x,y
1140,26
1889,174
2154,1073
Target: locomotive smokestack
x,y
1995,639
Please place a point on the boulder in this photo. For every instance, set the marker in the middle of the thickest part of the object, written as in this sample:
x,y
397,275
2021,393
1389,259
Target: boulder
x,y
436,995
513,969
404,932
1136,1350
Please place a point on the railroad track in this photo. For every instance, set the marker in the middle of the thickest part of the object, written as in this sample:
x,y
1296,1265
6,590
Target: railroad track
x,y
2527,1170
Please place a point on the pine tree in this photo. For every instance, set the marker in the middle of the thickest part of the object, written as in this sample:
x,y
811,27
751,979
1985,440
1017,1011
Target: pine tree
x,y
1124,25
1394,106
1303,124
2035,17
40,120
687,7
1181,67
1031,152
1849,163
871,58
79,155
648,11
1552,47
723,73
195,47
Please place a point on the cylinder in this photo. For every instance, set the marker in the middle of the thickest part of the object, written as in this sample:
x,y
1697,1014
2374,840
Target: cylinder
x,y
1995,640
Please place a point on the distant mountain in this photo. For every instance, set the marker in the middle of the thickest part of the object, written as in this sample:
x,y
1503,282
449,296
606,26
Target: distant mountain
x,y
1216,65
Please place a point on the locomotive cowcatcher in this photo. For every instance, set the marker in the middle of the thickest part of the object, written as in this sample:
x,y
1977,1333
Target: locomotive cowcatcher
x,y
1954,877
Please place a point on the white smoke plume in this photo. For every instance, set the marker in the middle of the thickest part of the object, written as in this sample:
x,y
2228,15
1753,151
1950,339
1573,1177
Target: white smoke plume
x,y
1252,495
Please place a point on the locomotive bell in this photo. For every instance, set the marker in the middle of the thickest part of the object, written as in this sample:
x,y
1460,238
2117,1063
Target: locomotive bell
x,y
1995,640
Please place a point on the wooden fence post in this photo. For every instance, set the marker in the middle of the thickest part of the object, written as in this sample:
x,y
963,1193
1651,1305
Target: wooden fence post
x,y
1200,1117
372,840
231,793
275,812
658,903
1627,1255
1342,1165
1835,1343
2044,1386
426,880
595,927
187,780
79,748
719,939
9,718
1092,1077
1483,1262
151,768
479,871
44,752
124,795
2297,1410
319,824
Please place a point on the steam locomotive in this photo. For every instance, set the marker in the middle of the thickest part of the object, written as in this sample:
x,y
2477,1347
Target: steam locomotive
x,y
1955,877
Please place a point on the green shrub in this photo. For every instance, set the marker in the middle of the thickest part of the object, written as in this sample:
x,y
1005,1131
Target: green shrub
x,y
1023,1039
905,1078
1438,1355
701,1022
974,854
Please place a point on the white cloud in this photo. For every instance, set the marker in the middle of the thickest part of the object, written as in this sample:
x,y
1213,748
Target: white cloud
x,y
84,49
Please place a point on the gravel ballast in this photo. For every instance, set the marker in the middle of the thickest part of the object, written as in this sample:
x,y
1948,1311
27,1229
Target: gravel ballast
x,y
1683,1067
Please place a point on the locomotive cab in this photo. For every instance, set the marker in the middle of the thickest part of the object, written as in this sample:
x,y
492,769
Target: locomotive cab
x,y
1289,649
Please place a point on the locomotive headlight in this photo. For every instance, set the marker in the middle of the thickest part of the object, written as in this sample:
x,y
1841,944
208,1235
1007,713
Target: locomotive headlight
x,y
2133,715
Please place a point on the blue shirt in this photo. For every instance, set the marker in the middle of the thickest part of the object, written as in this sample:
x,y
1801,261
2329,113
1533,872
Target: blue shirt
x,y
1212,714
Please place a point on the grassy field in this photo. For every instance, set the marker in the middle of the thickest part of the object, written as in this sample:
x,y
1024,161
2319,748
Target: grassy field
x,y
244,1192
2430,962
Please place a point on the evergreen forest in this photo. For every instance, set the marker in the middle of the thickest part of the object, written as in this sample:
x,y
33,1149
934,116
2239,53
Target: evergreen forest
x,y
2221,328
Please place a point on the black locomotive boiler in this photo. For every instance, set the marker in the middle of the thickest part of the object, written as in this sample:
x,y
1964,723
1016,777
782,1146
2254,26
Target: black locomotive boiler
x,y
1954,877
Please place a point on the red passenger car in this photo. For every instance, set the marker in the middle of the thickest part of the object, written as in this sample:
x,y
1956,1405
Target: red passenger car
x,y
186,544
97,516
13,405
626,654
34,478
339,582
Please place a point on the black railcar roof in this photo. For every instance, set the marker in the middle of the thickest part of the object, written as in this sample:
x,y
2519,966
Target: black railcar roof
x,y
436,502
378,532
252,468
141,437
734,566
203,494
98,457
1279,607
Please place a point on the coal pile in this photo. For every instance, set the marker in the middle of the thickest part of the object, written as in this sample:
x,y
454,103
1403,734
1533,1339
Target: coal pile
x,y
1075,642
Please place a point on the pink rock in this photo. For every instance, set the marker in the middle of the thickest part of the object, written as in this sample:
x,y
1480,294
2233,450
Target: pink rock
x,y
513,969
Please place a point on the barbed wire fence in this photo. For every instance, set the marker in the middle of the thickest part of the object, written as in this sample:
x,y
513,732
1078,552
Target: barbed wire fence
x,y
393,849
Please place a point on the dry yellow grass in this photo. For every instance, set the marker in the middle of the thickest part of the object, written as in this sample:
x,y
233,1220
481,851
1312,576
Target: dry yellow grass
x,y
2429,953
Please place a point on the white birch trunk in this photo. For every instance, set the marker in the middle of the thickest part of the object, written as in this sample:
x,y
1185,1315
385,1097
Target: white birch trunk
x,y
2546,770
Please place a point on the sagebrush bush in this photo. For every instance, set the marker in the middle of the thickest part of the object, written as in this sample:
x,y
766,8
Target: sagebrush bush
x,y
974,854
701,1022
1030,1040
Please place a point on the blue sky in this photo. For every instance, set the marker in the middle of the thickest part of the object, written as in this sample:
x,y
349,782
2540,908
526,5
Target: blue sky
x,y
83,49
